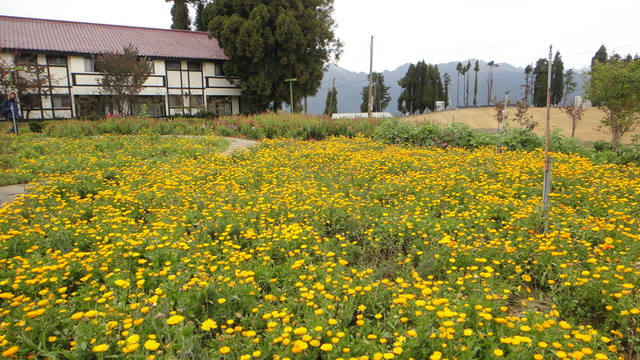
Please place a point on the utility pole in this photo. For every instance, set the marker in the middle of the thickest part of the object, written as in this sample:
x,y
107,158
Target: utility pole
x,y
333,91
546,188
371,79
290,81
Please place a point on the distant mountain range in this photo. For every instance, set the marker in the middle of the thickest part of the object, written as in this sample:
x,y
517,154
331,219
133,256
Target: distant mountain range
x,y
349,85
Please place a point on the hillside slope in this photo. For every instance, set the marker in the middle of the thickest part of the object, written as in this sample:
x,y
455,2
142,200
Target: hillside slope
x,y
484,118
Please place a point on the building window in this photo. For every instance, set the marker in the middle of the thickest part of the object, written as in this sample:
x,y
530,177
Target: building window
x,y
90,65
218,69
175,101
172,65
194,66
219,105
61,101
22,60
196,101
56,60
152,66
31,101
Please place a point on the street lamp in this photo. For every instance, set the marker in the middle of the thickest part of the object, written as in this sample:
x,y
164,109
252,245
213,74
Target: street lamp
x,y
13,115
291,81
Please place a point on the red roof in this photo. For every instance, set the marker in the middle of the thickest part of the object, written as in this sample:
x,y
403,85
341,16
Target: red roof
x,y
37,35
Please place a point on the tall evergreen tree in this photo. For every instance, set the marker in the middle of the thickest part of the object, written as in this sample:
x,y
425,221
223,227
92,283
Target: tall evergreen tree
x,y
528,70
467,68
180,15
447,85
331,104
476,69
407,96
569,85
269,42
491,64
600,56
422,87
199,23
557,79
459,69
381,98
540,76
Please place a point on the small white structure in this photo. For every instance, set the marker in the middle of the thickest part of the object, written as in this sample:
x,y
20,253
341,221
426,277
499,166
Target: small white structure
x,y
440,106
361,115
579,101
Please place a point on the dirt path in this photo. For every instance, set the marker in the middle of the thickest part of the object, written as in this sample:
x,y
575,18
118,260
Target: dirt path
x,y
9,193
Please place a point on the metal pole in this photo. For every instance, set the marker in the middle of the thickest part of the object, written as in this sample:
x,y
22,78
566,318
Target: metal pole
x,y
371,79
13,114
290,81
546,189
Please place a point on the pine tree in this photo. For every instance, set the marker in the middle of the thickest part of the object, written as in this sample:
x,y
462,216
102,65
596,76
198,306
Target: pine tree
x,y
447,84
467,68
331,105
459,69
476,68
540,76
569,85
557,79
600,56
199,23
491,64
271,41
527,82
180,15
381,98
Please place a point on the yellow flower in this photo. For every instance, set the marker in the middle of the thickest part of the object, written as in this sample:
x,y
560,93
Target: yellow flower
x,y
222,301
498,352
100,348
175,319
209,325
151,345
300,331
326,347
77,316
10,351
225,350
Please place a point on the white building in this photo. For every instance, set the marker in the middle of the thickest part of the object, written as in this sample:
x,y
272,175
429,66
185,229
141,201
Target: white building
x,y
186,66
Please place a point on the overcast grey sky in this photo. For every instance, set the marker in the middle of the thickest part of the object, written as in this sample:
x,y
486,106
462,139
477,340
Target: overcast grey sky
x,y
512,31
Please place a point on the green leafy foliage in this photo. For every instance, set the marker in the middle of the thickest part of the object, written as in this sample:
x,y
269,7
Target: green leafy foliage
x,y
421,88
180,15
123,75
381,97
613,87
270,41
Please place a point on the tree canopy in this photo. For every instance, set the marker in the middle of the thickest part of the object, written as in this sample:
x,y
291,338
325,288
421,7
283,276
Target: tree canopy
x,y
381,98
421,88
331,104
271,41
122,77
540,83
613,87
180,15
557,79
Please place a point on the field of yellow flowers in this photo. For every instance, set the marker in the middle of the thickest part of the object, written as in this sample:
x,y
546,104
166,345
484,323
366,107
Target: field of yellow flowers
x,y
339,249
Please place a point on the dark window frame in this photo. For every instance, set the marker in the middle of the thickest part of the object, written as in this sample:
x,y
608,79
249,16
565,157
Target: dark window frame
x,y
170,65
51,60
194,66
65,101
